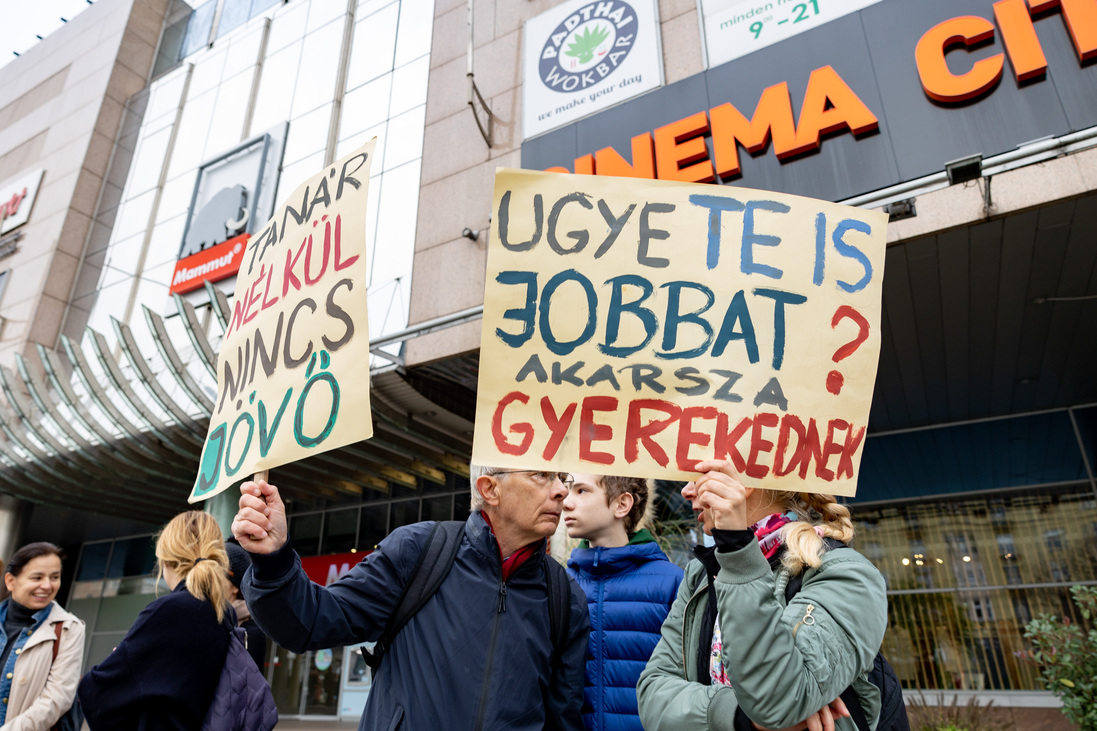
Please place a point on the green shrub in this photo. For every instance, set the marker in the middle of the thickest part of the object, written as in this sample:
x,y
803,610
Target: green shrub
x,y
1067,656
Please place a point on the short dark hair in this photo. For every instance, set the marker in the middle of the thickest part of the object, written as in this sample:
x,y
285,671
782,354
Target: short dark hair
x,y
638,487
31,551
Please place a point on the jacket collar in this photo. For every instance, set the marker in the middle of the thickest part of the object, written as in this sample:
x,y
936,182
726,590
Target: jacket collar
x,y
614,560
483,542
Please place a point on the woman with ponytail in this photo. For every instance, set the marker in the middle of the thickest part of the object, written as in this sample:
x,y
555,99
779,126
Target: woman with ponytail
x,y
739,650
162,675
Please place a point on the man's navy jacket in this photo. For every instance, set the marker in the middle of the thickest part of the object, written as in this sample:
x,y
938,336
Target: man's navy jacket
x,y
476,656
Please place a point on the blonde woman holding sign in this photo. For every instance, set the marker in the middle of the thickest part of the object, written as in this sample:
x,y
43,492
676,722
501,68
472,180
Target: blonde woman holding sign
x,y
756,657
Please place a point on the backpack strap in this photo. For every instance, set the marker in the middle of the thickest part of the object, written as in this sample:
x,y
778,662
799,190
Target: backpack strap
x,y
57,644
434,564
559,594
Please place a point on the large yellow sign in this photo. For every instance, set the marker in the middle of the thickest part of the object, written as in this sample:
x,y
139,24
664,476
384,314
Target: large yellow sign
x,y
637,327
290,372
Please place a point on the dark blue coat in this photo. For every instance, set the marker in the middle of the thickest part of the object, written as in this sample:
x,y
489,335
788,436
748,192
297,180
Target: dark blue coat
x,y
476,656
629,593
163,673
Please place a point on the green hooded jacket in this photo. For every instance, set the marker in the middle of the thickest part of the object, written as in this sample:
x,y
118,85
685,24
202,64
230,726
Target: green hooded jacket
x,y
784,662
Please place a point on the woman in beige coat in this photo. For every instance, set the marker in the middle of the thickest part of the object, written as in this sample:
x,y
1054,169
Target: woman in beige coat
x,y
36,687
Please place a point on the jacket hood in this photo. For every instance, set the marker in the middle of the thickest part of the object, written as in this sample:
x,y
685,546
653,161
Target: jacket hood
x,y
614,560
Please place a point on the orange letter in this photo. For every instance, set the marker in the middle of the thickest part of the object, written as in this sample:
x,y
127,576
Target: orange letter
x,y
1019,36
773,115
584,165
938,82
608,161
829,105
679,144
1081,19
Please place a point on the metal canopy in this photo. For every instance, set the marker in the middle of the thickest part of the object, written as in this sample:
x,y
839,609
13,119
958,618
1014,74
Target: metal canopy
x,y
118,429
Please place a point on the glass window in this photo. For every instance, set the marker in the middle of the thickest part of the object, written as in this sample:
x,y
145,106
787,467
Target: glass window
x,y
305,533
234,13
198,29
340,531
404,512
962,633
373,526
438,508
132,557
93,561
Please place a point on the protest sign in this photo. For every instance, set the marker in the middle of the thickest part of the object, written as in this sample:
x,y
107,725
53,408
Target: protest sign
x,y
290,371
636,327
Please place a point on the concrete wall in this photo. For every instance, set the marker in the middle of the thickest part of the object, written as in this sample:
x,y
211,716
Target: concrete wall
x,y
459,168
60,106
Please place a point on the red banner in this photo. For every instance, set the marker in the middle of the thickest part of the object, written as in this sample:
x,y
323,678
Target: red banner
x,y
325,570
212,264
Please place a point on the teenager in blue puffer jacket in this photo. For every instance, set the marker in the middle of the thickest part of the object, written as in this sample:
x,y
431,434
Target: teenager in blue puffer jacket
x,y
630,586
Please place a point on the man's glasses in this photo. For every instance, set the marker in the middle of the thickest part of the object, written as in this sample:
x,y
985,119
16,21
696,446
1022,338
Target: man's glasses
x,y
543,479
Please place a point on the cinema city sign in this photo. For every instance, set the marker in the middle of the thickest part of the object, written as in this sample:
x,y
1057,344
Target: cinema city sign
x,y
678,151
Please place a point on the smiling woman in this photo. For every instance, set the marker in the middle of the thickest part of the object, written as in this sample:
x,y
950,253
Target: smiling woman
x,y
42,644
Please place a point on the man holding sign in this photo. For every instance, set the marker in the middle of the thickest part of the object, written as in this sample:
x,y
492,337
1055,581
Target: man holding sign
x,y
482,652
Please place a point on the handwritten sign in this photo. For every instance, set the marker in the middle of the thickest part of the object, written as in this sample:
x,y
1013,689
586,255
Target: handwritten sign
x,y
636,327
290,372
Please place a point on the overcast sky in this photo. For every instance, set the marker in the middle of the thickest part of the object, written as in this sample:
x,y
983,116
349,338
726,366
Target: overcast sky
x,y
23,19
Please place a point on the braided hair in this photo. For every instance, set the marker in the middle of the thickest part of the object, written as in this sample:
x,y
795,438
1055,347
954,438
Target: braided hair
x,y
803,544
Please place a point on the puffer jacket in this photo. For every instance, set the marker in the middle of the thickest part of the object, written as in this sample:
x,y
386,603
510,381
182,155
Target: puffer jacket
x,y
476,656
43,689
785,662
629,592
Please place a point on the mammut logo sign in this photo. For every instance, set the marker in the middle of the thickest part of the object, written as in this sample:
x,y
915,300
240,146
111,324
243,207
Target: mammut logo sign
x,y
588,46
223,217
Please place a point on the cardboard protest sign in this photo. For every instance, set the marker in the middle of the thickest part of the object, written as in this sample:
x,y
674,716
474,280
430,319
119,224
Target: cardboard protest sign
x,y
636,327
291,377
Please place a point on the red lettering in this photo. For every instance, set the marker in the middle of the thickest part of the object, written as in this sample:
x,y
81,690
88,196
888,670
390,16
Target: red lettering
x,y
635,432
287,275
340,265
759,445
789,424
251,298
687,437
853,441
590,432
266,289
310,280
726,440
237,317
830,448
523,429
558,425
812,449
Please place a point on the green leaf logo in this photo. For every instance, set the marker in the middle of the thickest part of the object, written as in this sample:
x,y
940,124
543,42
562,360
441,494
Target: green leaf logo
x,y
586,42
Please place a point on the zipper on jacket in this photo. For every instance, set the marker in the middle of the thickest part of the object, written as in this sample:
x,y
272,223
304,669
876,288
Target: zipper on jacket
x,y
807,619
486,685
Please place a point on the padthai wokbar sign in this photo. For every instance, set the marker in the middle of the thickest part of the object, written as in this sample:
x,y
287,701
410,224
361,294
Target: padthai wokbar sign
x,y
638,327
587,55
290,379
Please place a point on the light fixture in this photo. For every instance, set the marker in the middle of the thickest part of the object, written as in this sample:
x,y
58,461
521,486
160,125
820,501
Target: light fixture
x,y
967,559
964,169
898,210
471,233
906,562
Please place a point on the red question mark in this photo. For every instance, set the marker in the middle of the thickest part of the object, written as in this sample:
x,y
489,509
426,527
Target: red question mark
x,y
834,378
